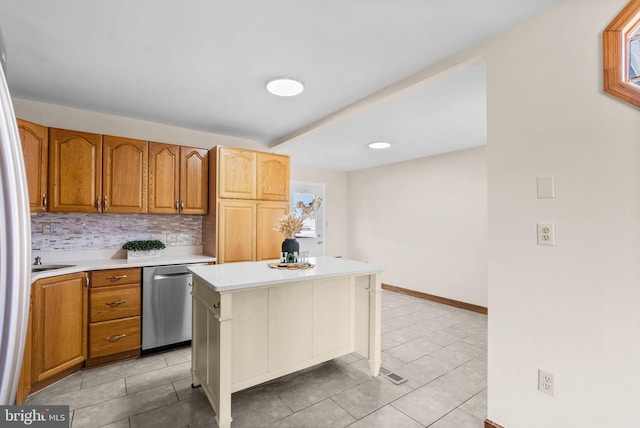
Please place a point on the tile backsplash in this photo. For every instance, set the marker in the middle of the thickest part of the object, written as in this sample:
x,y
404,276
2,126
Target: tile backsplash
x,y
79,231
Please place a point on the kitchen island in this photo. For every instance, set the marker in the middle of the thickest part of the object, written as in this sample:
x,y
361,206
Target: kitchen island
x,y
253,323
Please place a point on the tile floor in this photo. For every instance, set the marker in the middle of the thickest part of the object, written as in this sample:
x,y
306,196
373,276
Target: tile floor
x,y
440,350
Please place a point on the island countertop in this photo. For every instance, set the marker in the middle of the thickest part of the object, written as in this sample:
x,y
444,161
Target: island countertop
x,y
237,276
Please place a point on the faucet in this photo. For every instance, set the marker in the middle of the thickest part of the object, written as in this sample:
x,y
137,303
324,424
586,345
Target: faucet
x,y
38,261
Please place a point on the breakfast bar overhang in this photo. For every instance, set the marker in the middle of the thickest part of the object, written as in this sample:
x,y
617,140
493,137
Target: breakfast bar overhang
x,y
252,323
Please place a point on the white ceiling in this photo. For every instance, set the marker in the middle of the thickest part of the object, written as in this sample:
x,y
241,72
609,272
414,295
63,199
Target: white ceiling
x,y
203,64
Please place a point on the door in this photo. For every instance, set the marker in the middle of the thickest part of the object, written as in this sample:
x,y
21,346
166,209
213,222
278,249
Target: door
x,y
75,171
236,231
236,173
35,149
194,178
60,311
268,241
164,178
308,202
125,175
273,177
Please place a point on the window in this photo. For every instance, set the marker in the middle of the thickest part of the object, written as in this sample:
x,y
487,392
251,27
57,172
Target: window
x,y
621,49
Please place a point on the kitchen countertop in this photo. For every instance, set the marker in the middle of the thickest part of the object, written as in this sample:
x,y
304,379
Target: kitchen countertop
x,y
101,264
237,276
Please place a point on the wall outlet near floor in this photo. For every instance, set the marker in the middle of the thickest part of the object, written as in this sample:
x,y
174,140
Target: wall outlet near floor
x,y
46,228
546,234
172,238
546,382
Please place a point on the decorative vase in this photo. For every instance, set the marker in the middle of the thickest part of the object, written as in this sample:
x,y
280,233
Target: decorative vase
x,y
290,250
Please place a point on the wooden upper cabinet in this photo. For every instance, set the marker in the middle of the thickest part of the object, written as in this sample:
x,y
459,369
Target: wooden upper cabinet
x,y
124,188
75,171
236,173
273,177
178,179
245,174
194,177
164,178
35,150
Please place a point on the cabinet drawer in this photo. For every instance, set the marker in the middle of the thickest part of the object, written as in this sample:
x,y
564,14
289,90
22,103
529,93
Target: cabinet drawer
x,y
111,337
110,277
110,303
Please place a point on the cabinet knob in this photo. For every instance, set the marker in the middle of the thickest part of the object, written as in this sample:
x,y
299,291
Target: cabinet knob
x,y
177,205
116,277
116,303
105,204
45,201
98,204
181,205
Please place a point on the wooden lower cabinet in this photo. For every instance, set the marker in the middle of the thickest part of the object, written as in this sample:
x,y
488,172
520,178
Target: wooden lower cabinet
x,y
114,337
245,230
59,328
268,241
72,326
236,231
114,320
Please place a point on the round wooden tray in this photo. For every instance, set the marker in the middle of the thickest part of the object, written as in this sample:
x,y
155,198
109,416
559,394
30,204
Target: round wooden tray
x,y
291,266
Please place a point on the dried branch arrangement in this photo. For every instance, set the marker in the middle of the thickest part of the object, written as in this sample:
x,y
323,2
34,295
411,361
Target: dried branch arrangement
x,y
288,225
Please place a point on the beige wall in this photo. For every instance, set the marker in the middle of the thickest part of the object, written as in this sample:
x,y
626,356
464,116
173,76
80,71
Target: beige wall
x,y
426,221
56,116
572,309
336,202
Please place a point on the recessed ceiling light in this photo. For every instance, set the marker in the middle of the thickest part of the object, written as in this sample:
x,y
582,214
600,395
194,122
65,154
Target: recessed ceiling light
x,y
379,145
285,87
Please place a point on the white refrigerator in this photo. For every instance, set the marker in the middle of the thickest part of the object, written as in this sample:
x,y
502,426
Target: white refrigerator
x,y
15,245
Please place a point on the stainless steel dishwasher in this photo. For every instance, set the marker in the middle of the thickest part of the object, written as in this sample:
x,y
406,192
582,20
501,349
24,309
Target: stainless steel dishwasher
x,y
166,306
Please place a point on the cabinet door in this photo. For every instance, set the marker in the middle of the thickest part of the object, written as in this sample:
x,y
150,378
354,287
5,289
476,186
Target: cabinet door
x,y
59,325
125,175
273,177
194,177
35,150
164,178
24,384
75,171
268,241
236,173
236,231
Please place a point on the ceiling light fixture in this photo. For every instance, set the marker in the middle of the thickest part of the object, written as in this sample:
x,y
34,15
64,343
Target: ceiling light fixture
x,y
379,145
285,87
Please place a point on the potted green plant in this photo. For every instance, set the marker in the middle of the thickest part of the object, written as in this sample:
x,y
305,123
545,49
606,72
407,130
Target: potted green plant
x,y
143,248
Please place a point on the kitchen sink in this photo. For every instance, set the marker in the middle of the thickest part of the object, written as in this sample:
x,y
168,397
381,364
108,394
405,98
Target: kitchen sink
x,y
42,268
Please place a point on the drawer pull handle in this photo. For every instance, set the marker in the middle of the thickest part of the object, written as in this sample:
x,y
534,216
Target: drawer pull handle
x,y
115,277
116,338
116,303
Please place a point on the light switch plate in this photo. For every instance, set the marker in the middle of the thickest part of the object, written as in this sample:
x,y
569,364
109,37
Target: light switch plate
x,y
546,187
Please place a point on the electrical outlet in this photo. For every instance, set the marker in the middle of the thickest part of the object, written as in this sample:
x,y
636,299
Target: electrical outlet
x,y
546,234
546,382
46,228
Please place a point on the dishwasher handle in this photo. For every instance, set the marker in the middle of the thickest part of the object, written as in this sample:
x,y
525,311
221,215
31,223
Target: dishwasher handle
x,y
171,275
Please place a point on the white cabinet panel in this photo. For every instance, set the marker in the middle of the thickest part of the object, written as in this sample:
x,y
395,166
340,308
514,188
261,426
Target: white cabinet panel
x,y
290,324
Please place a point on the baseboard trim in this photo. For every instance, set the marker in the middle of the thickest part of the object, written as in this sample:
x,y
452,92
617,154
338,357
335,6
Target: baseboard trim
x,y
438,299
490,424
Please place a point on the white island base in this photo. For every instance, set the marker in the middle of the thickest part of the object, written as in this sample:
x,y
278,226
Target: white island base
x,y
252,324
